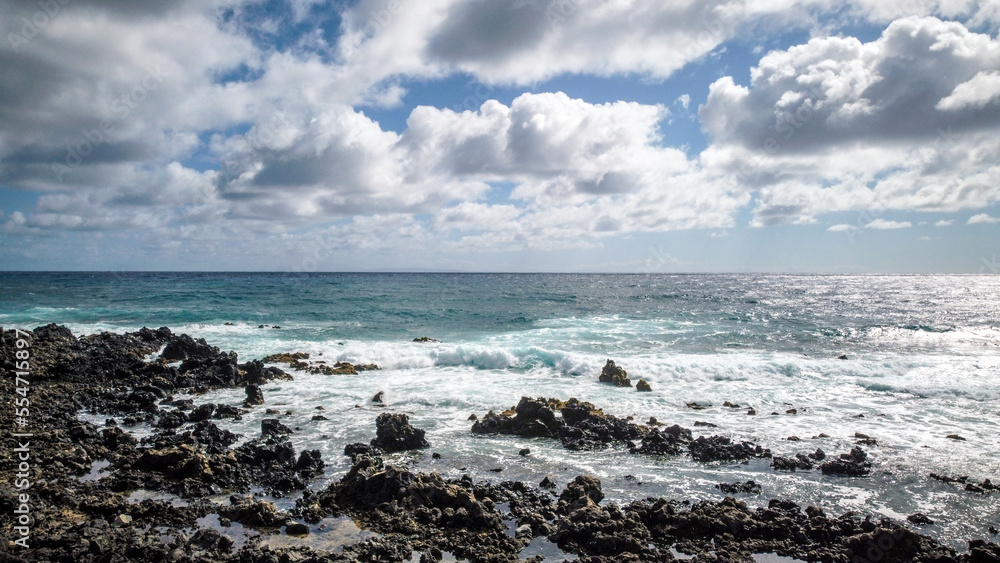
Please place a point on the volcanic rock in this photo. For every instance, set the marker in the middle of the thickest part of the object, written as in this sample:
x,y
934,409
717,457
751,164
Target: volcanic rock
x,y
394,433
614,375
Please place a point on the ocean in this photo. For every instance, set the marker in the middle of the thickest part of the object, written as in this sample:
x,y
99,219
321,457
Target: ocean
x,y
922,363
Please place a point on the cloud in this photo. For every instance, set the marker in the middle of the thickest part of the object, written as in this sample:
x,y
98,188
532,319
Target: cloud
x,y
523,42
884,225
218,120
982,218
976,92
841,228
838,125
944,223
527,41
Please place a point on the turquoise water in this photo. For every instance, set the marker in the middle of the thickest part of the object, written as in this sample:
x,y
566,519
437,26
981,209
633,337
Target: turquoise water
x,y
923,362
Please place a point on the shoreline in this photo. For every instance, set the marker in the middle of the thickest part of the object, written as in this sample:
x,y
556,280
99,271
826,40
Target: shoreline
x,y
412,513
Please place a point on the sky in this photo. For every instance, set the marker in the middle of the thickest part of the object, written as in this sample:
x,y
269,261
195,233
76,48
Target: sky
x,y
501,135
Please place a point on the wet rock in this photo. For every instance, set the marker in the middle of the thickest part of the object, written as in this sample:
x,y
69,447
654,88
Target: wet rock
x,y
309,464
896,544
747,487
955,437
359,449
210,438
254,396
227,411
985,487
722,449
180,462
665,441
425,339
378,397
641,385
394,433
800,461
116,439
587,428
272,427
853,464
183,347
532,418
614,375
253,513
202,412
523,452
982,552
255,372
579,492
547,483
294,528
172,419
209,539
604,531
701,424
285,358
919,518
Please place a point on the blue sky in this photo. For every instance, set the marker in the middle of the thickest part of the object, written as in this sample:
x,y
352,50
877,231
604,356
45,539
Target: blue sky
x,y
520,135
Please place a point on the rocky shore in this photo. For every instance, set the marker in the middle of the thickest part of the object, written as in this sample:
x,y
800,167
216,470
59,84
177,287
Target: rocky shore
x,y
171,495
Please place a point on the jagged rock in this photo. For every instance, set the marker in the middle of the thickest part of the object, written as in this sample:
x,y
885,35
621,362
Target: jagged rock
x,y
253,513
748,487
202,412
394,433
184,347
256,373
665,441
272,427
533,418
359,449
579,491
547,483
425,339
378,397
115,438
285,358
722,449
254,396
919,518
309,464
210,539
614,375
800,461
852,464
